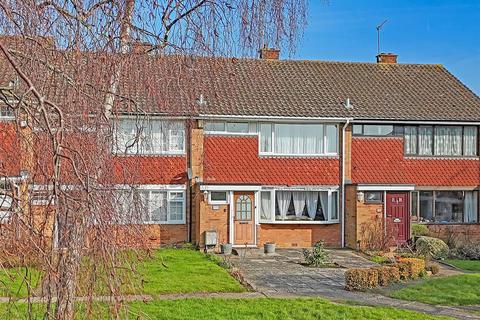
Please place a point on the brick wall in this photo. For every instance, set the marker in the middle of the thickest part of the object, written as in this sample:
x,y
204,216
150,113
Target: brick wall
x,y
458,233
351,216
299,235
213,218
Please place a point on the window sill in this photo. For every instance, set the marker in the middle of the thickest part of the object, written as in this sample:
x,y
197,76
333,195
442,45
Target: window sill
x,y
299,222
170,154
447,223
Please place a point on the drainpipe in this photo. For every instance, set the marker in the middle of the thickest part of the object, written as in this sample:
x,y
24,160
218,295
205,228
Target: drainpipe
x,y
343,180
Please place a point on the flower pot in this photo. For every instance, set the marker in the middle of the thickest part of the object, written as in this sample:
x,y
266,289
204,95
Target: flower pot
x,y
269,248
226,248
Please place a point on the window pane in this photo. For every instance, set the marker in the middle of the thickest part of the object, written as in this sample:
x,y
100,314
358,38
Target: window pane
x,y
214,126
265,137
125,135
377,130
448,141
298,138
334,206
357,129
218,196
426,206
410,140
414,204
237,127
176,210
332,138
470,141
448,206
265,205
374,197
425,140
158,208
470,207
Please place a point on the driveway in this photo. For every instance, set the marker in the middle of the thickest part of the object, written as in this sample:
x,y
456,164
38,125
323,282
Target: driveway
x,y
282,275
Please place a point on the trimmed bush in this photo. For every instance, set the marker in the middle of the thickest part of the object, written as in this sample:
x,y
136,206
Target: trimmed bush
x,y
433,268
387,275
469,251
419,230
404,270
361,279
415,266
432,248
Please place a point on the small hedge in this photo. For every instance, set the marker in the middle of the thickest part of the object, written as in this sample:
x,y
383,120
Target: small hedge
x,y
414,267
431,248
361,279
433,268
387,275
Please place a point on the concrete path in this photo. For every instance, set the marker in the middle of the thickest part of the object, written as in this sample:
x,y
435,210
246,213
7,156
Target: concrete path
x,y
282,275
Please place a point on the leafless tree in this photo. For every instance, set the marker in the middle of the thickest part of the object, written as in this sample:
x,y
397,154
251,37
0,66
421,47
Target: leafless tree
x,y
72,66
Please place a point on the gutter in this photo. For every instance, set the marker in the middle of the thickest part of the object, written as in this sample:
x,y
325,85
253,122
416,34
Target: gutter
x,y
343,180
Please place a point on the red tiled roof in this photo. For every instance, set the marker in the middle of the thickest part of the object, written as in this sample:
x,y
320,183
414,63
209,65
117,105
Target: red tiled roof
x,y
376,160
235,160
150,170
9,150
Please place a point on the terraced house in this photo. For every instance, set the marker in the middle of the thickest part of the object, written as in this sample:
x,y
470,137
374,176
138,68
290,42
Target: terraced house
x,y
294,152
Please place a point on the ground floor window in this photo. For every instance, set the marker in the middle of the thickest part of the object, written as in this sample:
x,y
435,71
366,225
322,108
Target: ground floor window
x,y
293,205
445,206
151,206
6,199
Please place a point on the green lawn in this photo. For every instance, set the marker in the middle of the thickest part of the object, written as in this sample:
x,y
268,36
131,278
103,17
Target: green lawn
x,y
469,265
15,282
261,308
187,271
454,290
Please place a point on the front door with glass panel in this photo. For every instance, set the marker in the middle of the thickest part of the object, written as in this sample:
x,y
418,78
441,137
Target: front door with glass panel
x,y
244,225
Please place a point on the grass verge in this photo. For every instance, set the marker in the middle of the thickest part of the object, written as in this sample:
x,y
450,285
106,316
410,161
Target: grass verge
x,y
468,265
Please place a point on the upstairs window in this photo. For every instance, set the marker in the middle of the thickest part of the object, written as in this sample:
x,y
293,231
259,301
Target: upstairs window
x,y
441,140
298,139
150,136
6,113
377,130
227,127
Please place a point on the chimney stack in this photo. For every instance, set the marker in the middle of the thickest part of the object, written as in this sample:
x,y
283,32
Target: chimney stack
x,y
387,58
269,53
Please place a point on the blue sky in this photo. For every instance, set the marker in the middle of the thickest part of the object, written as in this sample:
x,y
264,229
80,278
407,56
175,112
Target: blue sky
x,y
443,32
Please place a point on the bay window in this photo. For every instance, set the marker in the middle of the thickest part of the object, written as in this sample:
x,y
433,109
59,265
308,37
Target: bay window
x,y
150,136
298,205
441,140
298,139
151,206
452,206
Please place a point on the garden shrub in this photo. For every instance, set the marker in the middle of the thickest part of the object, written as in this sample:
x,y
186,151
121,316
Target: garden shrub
x,y
416,266
419,230
318,256
404,270
387,275
469,251
432,248
433,268
361,279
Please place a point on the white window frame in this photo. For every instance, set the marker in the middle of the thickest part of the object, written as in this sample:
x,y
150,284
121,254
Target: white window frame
x,y
117,150
325,153
210,201
225,131
168,189
329,220
6,107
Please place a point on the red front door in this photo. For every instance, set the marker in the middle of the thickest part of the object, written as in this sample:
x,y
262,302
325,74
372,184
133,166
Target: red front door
x,y
398,222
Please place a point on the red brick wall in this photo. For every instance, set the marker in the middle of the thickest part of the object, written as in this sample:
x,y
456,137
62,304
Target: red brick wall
x,y
10,162
458,233
382,161
299,235
149,235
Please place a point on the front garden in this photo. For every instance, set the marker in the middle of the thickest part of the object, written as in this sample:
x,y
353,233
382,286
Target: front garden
x,y
411,273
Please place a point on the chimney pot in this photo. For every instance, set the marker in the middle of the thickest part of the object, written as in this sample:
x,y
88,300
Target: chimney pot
x,y
269,53
387,58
